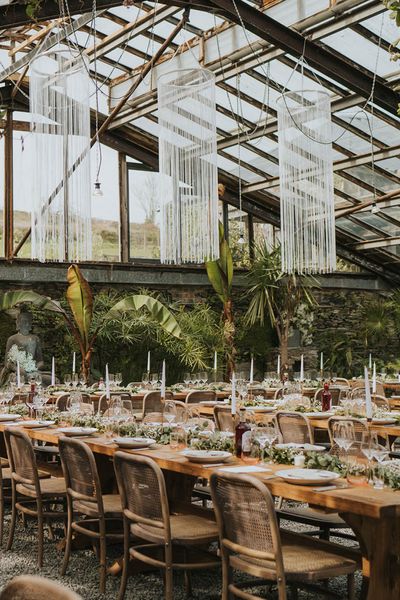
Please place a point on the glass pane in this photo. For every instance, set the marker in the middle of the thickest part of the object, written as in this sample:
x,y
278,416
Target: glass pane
x,y
22,156
105,209
144,207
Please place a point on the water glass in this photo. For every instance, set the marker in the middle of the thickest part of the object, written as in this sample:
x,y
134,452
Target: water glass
x,y
177,440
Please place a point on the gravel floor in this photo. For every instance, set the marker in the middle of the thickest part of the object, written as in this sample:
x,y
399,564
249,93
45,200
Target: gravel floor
x,y
82,574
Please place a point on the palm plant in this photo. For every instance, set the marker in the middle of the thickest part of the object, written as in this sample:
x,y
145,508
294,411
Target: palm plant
x,y
80,316
274,295
220,274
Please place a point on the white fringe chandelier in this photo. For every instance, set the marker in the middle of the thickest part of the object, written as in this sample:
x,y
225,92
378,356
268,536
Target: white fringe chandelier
x,y
188,165
60,109
306,182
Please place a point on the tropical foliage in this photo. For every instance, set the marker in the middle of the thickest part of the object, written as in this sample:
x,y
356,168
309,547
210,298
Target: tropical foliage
x,y
275,296
79,316
220,274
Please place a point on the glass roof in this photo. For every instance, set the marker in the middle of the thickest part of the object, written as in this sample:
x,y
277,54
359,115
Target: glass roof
x,y
251,73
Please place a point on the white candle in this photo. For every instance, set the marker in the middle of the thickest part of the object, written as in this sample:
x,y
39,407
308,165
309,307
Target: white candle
x,y
215,361
368,403
107,383
374,379
73,362
233,395
148,361
18,375
279,365
251,369
321,365
302,368
370,361
163,380
53,371
398,377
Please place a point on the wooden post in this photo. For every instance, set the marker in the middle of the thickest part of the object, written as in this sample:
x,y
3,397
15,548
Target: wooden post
x,y
123,207
8,186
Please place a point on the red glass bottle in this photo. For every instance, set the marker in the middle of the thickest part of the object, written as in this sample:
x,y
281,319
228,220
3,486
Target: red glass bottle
x,y
241,428
326,398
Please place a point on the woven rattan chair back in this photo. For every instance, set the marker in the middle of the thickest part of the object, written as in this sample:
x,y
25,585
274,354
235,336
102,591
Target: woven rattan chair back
x,y
153,403
80,471
143,493
20,399
22,458
278,394
224,419
62,402
294,427
256,391
196,396
247,522
32,587
381,401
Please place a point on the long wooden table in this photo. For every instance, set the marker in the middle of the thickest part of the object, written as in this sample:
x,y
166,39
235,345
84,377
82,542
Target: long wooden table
x,y
374,515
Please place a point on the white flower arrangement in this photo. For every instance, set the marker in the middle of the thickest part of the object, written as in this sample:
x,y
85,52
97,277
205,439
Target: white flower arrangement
x,y
25,359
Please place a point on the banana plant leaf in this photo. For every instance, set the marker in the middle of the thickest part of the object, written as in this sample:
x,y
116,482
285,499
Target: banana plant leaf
x,y
9,300
220,272
157,310
80,301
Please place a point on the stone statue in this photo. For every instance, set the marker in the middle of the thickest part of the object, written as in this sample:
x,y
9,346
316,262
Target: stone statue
x,y
28,342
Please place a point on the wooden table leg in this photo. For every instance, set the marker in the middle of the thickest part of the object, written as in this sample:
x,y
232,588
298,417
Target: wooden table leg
x,y
380,547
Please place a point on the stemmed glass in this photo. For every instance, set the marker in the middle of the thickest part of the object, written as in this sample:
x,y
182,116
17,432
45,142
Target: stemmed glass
x,y
344,434
154,379
187,380
368,446
145,379
82,380
265,436
67,379
380,452
118,379
170,412
74,380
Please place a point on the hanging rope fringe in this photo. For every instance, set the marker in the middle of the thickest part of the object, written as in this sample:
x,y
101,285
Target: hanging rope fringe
x,y
306,183
59,104
188,166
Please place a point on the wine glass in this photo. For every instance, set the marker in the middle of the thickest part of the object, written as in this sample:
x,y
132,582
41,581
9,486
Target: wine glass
x,y
170,412
67,379
74,380
118,379
145,379
380,452
265,435
74,405
82,379
154,379
344,434
187,380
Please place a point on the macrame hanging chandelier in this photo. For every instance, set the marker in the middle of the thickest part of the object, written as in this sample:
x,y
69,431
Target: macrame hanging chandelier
x,y
60,109
188,166
306,182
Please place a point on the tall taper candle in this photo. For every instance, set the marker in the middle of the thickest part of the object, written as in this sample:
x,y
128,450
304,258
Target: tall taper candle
x,y
374,379
251,369
370,361
278,368
321,362
148,361
53,371
368,403
163,381
74,362
18,375
233,395
302,368
107,383
215,361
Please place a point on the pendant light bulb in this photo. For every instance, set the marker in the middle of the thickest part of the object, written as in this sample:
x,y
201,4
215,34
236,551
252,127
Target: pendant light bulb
x,y
375,209
97,192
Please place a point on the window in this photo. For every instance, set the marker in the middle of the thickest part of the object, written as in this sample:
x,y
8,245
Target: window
x,y
144,210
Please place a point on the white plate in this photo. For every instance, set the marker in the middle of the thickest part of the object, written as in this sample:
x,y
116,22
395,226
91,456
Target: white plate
x,y
307,476
134,442
77,431
261,408
33,424
8,417
209,402
306,447
206,456
319,415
